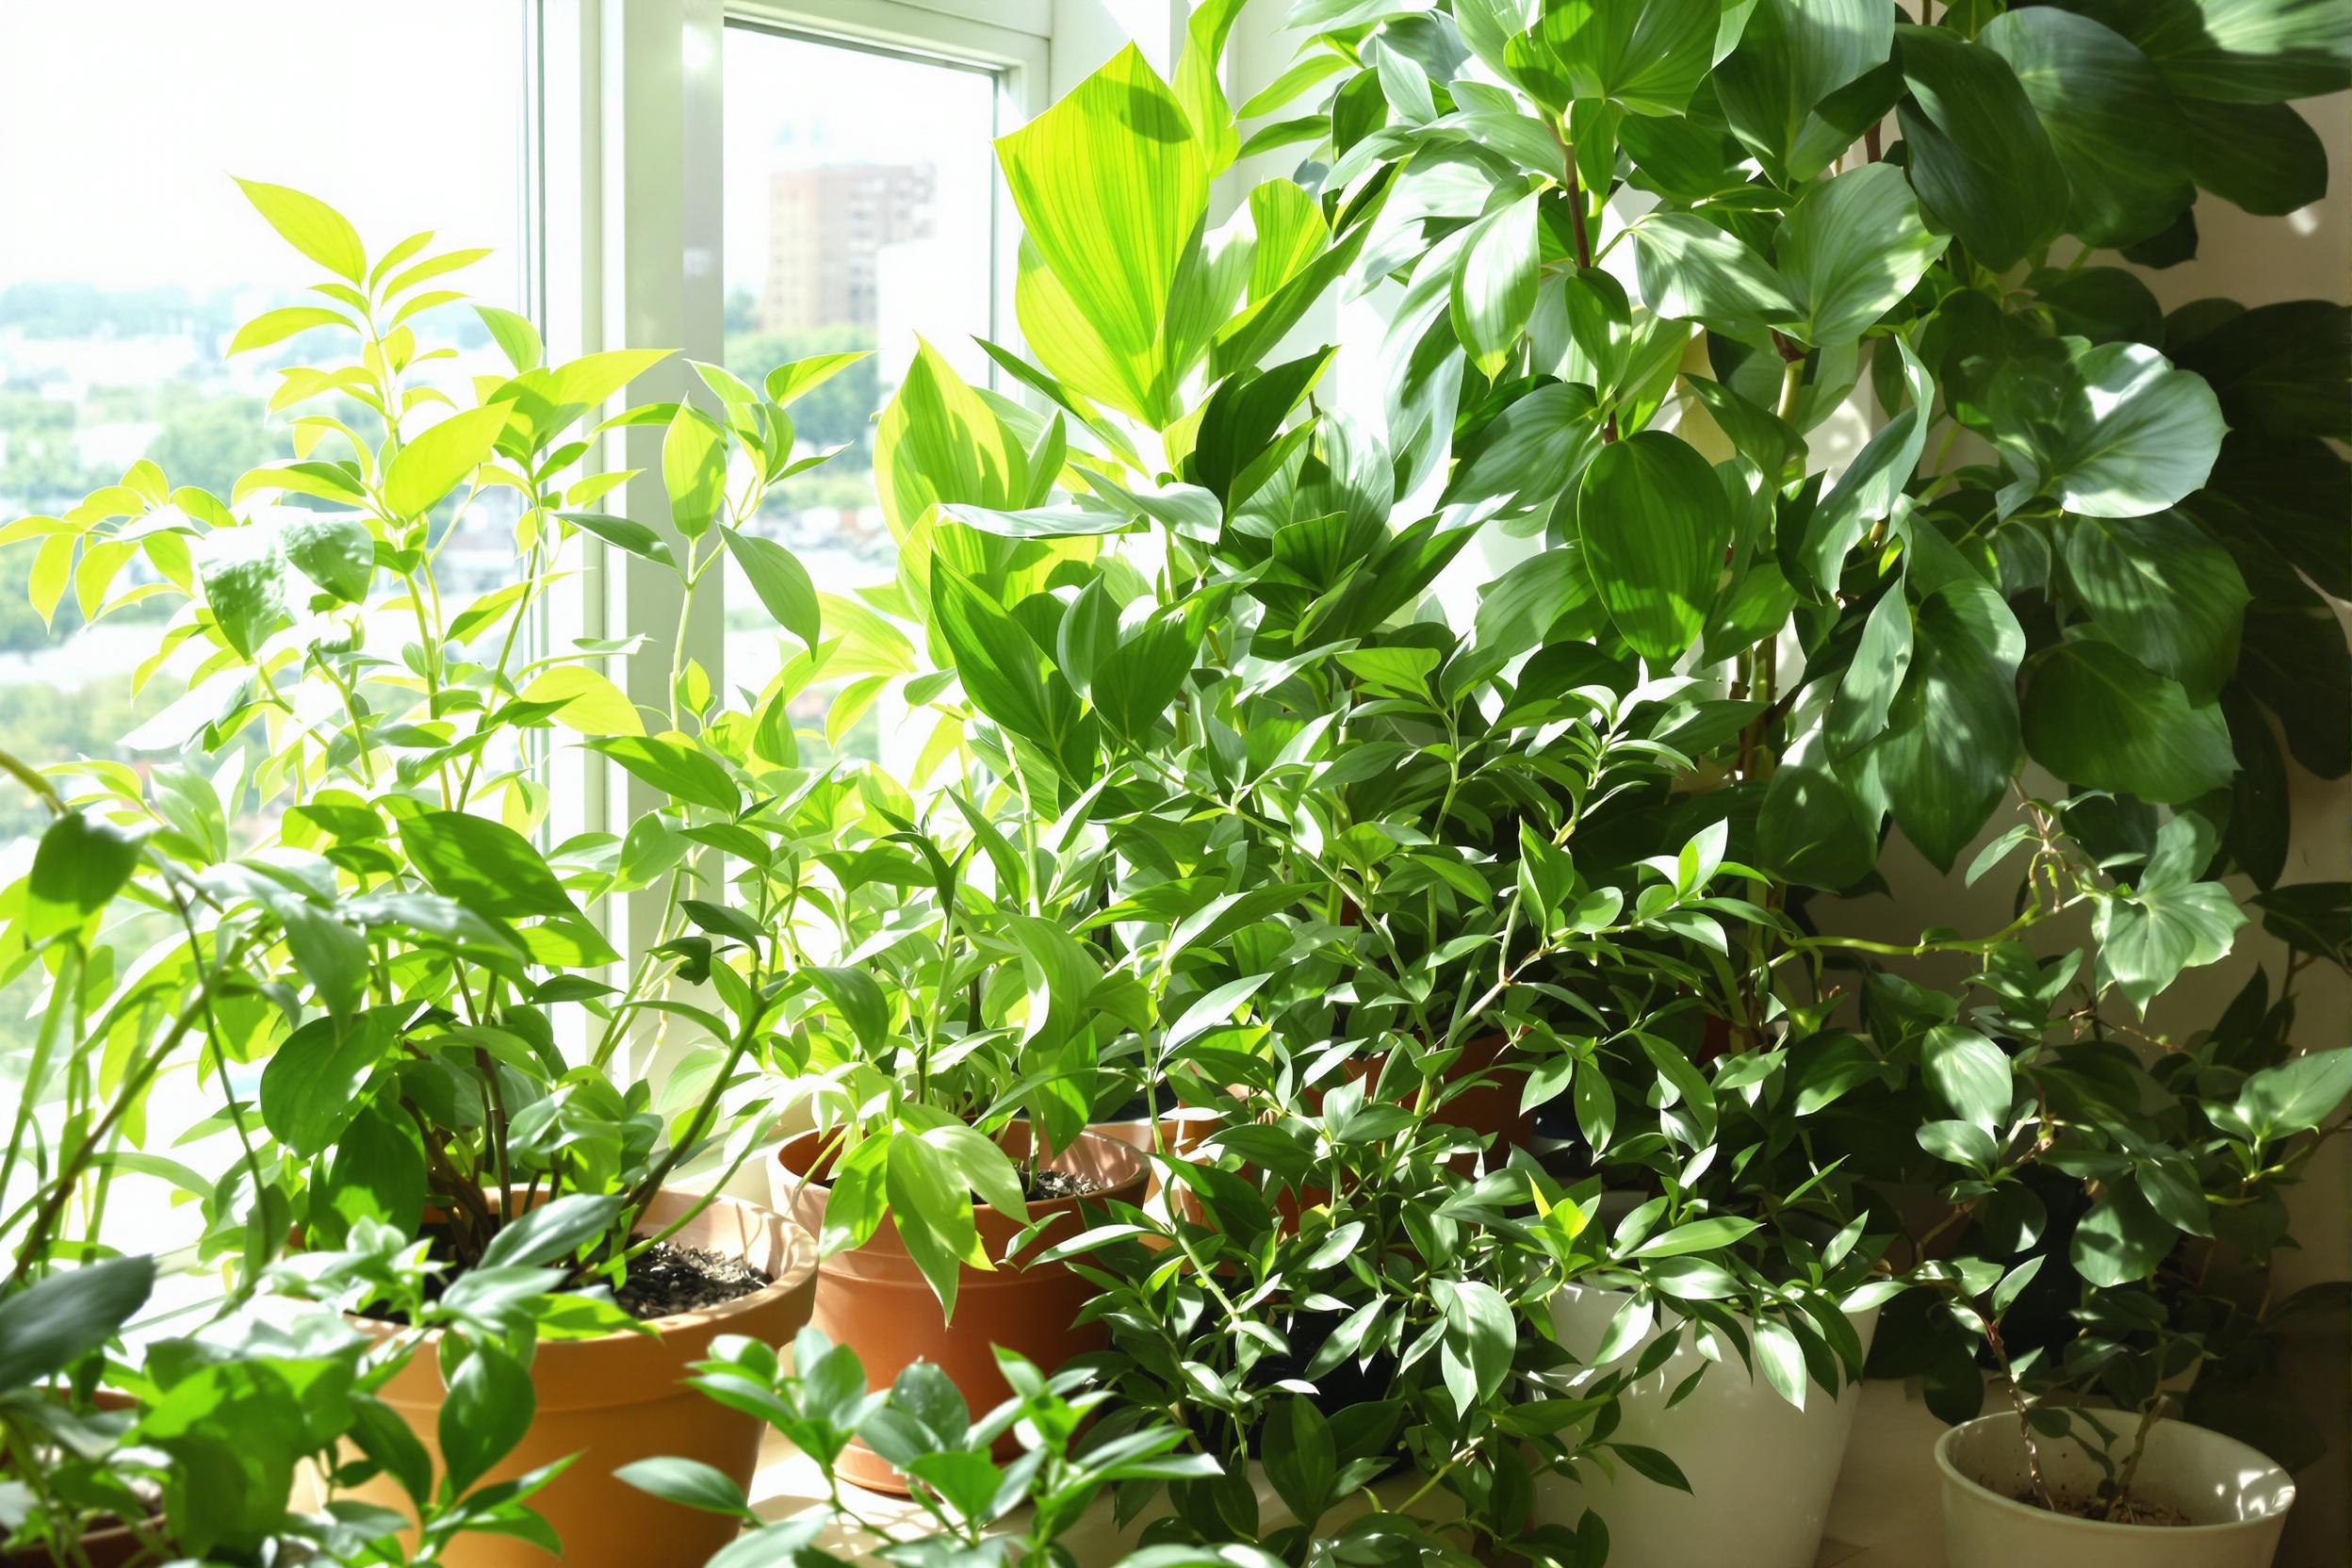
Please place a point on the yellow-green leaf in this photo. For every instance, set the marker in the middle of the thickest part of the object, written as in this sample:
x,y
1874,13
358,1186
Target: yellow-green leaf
x,y
311,226
592,704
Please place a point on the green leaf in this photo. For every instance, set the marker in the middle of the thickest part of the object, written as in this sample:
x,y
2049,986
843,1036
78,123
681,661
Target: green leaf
x,y
995,658
1494,285
2263,158
1851,249
553,1233
434,464
1481,1336
2101,720
693,469
1870,488
55,1322
1792,55
311,226
940,441
376,1171
676,767
1961,1142
1645,56
1810,828
2112,123
515,336
1967,1072
81,863
2280,1101
244,576
310,1089
1980,159
798,378
2115,431
931,1207
2237,51
782,582
858,999
484,865
486,1412
2119,1239
591,703
623,533
2163,591
1688,269
276,326
1118,142
1781,1358
2150,934
690,1483
1700,1236
1652,522
332,549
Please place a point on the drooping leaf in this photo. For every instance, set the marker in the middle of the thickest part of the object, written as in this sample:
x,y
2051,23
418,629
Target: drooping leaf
x,y
2100,719
1980,159
2163,591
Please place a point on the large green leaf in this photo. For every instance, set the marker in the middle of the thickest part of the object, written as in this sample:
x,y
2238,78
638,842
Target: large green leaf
x,y
782,582
2237,51
995,658
311,226
2293,1097
376,1170
335,550
55,1322
2101,720
486,1412
483,864
81,863
2169,921
2113,430
1869,488
310,1089
940,441
693,469
2263,157
1688,269
2163,591
1980,158
2121,1239
1969,1073
1850,250
1646,55
676,767
1811,829
244,578
2113,121
1951,740
1111,185
1792,55
434,462
1494,285
1653,521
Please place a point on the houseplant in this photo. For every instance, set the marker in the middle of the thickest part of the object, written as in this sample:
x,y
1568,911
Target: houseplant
x,y
400,953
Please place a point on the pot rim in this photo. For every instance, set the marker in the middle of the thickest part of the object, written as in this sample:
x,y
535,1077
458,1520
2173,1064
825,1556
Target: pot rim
x,y
802,1268
1951,1471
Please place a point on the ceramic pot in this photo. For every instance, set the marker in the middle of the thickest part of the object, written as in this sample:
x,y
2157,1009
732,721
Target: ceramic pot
x,y
873,1299
2235,1499
1761,1471
622,1398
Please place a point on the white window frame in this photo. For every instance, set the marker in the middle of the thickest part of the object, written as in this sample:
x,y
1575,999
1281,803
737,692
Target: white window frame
x,y
627,186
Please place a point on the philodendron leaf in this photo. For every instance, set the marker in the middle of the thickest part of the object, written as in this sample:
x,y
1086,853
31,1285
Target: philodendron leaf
x,y
1653,521
2163,591
1688,269
2280,1101
1494,285
56,1321
486,1412
2100,719
2121,1239
484,865
1980,159
310,1089
1120,142
2170,921
1850,250
2112,121
2114,431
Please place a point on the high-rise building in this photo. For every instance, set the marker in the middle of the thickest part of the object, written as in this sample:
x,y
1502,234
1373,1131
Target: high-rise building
x,y
826,226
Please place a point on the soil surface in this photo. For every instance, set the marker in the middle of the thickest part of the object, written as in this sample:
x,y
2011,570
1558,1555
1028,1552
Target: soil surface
x,y
2155,1516
1046,1186
668,1278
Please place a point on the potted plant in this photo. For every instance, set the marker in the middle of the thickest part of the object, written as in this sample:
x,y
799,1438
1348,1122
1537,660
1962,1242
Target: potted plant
x,y
401,944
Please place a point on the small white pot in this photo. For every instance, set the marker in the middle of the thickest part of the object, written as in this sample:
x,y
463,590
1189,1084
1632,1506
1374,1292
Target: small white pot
x,y
2235,1496
1761,1471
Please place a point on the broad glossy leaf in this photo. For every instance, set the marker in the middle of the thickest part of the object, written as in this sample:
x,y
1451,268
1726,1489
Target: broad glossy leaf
x,y
310,1089
693,470
244,578
1967,1072
2236,51
1494,285
2263,158
2163,592
2115,431
2121,1239
332,549
484,865
1690,270
1870,488
2112,123
81,863
1652,522
676,767
51,1324
591,703
2101,720
375,1172
486,1412
1980,159
1851,249
437,460
782,582
1810,828
311,226
2280,1101
940,441
1792,55
1646,55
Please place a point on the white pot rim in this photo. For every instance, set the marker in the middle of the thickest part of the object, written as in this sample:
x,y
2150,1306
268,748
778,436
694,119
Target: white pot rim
x,y
2251,1456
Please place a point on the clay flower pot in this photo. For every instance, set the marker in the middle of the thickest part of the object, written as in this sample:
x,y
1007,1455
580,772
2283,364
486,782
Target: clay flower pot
x,y
2235,1498
873,1299
622,1398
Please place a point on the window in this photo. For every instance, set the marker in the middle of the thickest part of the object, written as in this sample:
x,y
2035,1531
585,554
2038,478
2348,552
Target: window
x,y
861,210
128,258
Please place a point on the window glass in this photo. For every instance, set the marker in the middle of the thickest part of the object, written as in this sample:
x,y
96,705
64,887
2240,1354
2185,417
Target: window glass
x,y
128,257
860,213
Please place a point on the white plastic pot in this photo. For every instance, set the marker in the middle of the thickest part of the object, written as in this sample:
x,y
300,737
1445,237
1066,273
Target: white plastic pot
x,y
2236,1499
1761,1471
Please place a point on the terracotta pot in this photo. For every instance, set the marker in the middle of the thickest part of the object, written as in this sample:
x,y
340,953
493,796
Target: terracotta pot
x,y
873,1299
1490,1106
622,1398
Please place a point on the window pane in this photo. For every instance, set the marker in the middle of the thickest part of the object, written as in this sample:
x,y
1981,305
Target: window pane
x,y
128,258
861,212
